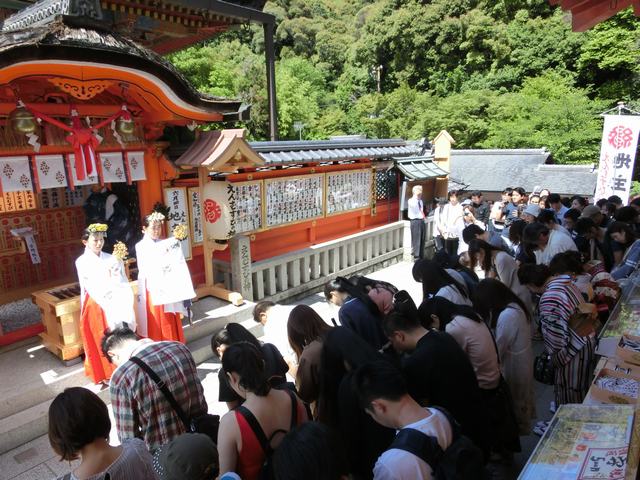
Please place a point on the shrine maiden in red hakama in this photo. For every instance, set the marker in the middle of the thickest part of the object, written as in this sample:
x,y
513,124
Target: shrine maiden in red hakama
x,y
106,300
164,283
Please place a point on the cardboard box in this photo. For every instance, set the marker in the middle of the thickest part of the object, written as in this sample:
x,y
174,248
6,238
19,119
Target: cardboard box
x,y
618,365
608,396
627,354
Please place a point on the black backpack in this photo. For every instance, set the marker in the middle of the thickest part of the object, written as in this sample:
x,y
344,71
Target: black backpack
x,y
462,460
266,471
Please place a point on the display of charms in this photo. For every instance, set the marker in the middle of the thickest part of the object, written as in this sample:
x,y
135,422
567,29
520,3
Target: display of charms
x,y
622,386
348,191
245,203
626,342
294,199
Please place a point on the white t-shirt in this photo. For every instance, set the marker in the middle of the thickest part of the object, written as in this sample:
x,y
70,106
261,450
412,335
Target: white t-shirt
x,y
396,464
275,330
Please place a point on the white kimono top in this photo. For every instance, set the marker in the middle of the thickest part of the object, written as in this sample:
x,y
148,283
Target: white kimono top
x,y
103,278
163,271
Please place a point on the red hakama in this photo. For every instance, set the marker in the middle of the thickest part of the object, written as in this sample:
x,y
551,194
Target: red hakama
x,y
161,325
93,323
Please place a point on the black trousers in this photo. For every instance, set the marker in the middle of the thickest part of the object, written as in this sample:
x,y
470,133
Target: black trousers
x,y
451,246
417,237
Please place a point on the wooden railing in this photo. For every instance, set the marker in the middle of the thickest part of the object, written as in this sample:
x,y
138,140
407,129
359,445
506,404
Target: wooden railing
x,y
298,272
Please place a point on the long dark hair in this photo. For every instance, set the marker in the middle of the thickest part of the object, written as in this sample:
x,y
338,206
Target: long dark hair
x,y
304,326
433,277
247,361
341,284
492,297
618,227
476,246
340,346
445,310
230,334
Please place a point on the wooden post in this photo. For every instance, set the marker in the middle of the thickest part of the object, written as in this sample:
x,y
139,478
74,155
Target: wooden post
x,y
208,247
442,157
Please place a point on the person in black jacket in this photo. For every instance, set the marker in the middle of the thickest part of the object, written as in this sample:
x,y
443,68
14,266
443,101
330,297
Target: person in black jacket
x,y
437,370
481,207
357,312
338,405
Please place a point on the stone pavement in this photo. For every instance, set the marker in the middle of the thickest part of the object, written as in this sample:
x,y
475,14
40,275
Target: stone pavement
x,y
36,460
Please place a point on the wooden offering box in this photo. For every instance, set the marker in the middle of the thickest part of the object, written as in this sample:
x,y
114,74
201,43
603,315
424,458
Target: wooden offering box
x,y
60,308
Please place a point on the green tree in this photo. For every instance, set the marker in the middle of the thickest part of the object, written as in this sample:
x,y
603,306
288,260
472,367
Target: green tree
x,y
548,111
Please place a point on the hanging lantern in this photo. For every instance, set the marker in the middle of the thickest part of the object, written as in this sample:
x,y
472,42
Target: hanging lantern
x,y
125,126
22,120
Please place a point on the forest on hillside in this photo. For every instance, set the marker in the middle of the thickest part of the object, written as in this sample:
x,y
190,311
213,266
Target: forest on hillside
x,y
494,73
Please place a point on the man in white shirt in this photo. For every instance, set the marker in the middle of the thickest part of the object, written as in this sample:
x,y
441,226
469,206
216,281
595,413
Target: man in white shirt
x,y
383,394
415,212
546,243
274,320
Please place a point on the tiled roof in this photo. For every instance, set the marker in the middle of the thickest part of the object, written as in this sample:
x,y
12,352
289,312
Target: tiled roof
x,y
493,170
419,168
333,150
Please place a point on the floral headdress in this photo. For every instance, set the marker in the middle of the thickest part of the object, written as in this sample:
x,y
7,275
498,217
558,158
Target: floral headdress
x,y
97,228
156,216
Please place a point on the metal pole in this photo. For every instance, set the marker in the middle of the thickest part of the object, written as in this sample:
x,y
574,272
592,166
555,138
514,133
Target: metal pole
x,y
270,58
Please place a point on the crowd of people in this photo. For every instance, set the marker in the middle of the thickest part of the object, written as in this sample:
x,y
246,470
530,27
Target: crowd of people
x,y
392,389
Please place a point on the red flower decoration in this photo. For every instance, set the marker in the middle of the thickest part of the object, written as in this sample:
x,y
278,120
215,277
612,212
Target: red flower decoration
x,y
212,211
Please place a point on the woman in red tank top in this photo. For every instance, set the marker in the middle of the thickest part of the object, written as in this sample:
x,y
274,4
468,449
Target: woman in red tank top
x,y
263,419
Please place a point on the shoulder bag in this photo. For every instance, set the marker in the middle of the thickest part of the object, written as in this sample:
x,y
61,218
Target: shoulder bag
x,y
207,424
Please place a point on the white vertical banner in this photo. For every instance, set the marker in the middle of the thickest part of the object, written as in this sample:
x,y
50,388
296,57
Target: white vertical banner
x,y
176,199
617,155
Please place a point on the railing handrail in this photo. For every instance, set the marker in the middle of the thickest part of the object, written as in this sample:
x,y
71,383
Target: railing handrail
x,y
321,247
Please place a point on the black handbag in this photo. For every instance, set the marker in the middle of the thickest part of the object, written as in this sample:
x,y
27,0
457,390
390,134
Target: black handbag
x,y
543,370
502,412
207,424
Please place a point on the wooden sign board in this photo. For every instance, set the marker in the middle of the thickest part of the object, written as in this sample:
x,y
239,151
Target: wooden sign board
x,y
176,199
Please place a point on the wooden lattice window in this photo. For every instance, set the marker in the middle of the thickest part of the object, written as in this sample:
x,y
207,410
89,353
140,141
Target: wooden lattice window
x,y
386,184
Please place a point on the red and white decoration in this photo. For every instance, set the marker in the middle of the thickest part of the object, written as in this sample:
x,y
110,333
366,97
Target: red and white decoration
x,y
88,179
135,161
113,170
617,156
50,171
15,174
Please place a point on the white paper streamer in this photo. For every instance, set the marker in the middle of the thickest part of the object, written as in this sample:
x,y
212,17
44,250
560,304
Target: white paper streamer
x,y
27,234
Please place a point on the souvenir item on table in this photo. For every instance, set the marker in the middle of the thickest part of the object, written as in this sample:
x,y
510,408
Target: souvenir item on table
x,y
583,442
629,349
624,320
615,387
624,386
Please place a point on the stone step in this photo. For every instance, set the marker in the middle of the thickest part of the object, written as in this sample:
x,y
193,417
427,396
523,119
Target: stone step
x,y
23,410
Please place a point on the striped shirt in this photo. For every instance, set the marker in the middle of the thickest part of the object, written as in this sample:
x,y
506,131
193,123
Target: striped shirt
x,y
571,354
139,406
